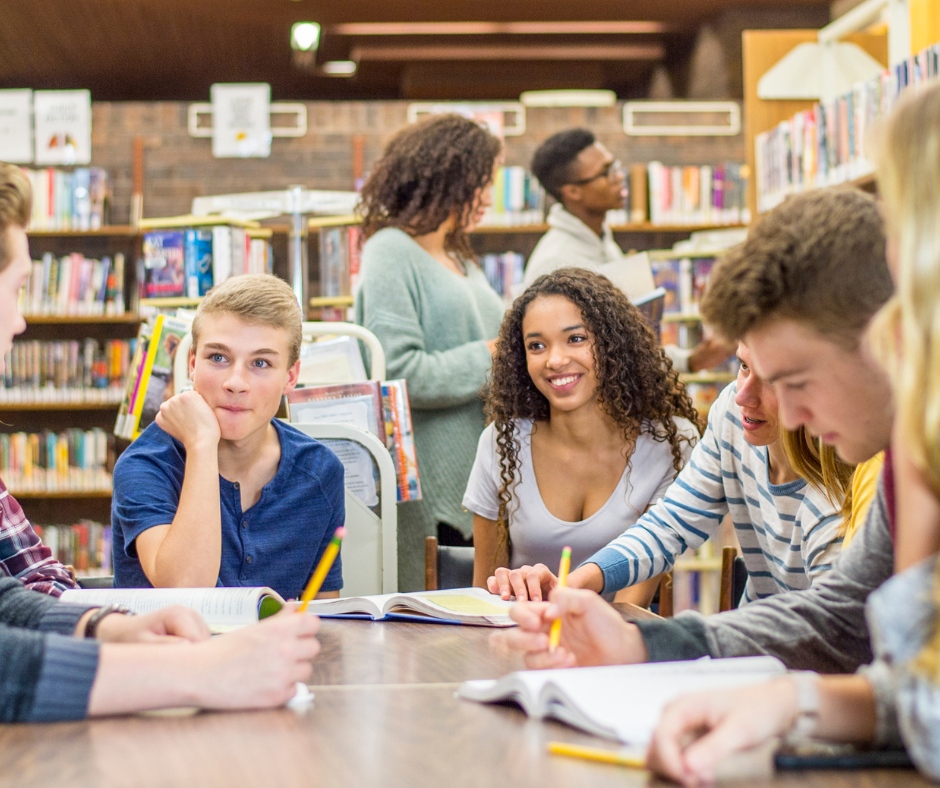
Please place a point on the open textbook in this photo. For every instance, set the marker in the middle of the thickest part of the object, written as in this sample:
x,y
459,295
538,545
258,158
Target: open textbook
x,y
450,606
223,609
621,702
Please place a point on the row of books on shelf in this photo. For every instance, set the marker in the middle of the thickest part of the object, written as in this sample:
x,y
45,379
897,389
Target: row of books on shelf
x,y
831,143
381,409
65,371
339,265
504,273
703,194
684,278
187,263
69,199
74,285
518,199
85,545
149,379
72,460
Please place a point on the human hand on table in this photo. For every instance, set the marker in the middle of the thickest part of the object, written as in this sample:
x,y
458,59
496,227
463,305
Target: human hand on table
x,y
696,732
169,625
257,666
592,632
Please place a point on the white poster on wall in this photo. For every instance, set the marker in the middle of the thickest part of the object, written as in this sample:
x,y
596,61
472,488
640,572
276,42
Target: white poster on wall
x,y
16,126
241,120
62,126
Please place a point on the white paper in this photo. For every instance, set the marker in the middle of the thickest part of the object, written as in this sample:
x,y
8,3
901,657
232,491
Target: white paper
x,y
62,126
16,126
241,120
357,462
632,274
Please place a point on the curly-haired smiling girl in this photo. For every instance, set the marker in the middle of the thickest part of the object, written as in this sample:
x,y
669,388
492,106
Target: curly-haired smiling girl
x,y
590,426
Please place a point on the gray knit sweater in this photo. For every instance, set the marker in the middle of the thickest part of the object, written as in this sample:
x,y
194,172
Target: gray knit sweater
x,y
433,325
43,675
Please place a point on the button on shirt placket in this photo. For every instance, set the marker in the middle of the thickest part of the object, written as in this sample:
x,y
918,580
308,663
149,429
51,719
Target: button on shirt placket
x,y
249,559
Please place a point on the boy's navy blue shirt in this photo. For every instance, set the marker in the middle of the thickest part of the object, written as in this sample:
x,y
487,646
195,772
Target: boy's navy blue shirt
x,y
276,543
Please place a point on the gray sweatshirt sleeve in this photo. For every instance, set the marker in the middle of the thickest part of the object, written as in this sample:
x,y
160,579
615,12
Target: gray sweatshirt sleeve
x,y
43,676
822,628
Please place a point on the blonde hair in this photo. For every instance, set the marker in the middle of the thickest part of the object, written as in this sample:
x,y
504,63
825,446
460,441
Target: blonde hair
x,y
16,204
255,298
906,333
822,467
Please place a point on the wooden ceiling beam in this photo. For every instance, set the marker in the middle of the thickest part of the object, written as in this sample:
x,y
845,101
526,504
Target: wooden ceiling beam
x,y
507,52
497,28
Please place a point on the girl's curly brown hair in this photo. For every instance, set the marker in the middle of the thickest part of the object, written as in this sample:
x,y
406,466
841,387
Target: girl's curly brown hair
x,y
429,171
637,385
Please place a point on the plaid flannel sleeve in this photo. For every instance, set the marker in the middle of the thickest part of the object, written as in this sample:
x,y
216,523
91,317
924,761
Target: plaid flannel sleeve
x,y
22,553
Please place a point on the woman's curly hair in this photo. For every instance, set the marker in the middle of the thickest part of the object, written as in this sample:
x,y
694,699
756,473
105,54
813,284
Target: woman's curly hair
x,y
637,385
429,171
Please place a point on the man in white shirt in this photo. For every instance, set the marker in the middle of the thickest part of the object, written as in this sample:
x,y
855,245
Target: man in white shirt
x,y
587,182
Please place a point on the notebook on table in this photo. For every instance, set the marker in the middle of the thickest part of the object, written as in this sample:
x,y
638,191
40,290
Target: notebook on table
x,y
620,702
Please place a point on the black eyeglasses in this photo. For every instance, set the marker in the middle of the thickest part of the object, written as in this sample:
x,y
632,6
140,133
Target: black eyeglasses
x,y
611,171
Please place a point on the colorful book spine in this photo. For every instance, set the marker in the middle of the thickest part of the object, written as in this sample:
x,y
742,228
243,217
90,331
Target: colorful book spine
x,y
68,371
829,144
74,460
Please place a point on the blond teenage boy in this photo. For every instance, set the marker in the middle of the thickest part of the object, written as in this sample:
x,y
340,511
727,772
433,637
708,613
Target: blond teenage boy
x,y
217,491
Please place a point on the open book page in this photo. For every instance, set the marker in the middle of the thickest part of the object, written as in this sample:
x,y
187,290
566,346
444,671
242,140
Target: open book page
x,y
620,702
222,608
463,605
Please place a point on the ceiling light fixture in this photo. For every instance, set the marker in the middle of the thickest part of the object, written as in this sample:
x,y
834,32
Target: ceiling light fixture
x,y
568,98
339,68
304,36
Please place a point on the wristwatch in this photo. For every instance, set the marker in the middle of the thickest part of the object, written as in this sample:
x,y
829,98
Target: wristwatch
x,y
806,721
91,627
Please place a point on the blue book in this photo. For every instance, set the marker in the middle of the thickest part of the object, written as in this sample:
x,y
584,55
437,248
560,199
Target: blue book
x,y
198,262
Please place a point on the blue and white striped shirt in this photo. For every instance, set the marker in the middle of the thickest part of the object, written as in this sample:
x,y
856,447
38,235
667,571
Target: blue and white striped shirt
x,y
789,533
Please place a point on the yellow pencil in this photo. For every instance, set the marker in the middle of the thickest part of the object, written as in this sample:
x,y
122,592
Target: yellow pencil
x,y
323,568
596,754
562,582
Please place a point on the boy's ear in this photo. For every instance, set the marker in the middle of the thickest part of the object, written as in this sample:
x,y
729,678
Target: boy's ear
x,y
293,374
192,364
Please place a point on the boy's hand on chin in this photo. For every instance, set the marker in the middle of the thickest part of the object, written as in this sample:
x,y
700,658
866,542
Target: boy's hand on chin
x,y
188,418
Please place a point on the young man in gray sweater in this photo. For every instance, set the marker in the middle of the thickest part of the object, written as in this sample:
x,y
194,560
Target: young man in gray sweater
x,y
808,320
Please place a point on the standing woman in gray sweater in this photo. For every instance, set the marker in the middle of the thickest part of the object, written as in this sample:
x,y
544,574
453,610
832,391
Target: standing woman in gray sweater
x,y
427,300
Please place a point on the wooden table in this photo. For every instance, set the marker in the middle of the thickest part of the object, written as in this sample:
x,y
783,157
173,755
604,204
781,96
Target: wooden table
x,y
384,715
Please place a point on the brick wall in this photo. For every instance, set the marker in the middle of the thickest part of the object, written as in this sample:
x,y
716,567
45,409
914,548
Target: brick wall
x,y
178,167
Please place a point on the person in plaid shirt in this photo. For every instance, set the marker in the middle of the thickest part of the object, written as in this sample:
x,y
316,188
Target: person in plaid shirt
x,y
22,553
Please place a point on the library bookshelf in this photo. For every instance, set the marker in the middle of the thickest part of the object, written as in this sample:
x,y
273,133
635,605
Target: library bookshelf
x,y
57,409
